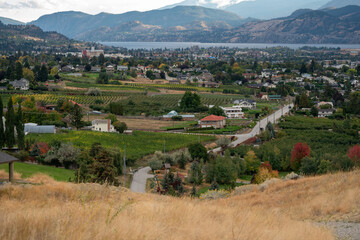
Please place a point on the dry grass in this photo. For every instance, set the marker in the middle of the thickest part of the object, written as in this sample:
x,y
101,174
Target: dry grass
x,y
55,210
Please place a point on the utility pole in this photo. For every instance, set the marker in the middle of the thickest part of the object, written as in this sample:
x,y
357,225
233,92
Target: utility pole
x,y
124,165
164,145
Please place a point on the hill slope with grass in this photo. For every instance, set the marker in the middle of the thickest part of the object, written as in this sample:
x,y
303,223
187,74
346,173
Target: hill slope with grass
x,y
282,210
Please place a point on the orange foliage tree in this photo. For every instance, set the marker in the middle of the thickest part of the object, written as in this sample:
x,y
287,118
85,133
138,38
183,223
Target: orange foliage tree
x,y
299,151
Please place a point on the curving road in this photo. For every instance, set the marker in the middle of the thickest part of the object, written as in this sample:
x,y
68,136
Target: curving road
x,y
256,130
138,183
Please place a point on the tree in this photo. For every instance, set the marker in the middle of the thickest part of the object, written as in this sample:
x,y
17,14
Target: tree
x,y
103,78
182,158
66,156
20,128
198,151
304,101
101,59
354,154
18,70
309,166
354,103
118,162
120,126
87,67
314,111
10,124
252,162
190,102
76,116
218,111
82,174
196,175
303,68
223,142
2,133
29,75
43,74
103,169
54,71
225,170
300,150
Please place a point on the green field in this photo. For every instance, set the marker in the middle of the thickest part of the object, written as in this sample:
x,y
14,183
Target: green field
x,y
27,170
138,145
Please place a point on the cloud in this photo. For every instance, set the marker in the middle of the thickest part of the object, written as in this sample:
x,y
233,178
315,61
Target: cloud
x,y
20,4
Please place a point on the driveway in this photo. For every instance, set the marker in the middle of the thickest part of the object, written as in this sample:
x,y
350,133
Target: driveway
x,y
138,183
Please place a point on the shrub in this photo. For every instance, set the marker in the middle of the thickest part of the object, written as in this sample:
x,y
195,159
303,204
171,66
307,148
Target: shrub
x,y
325,166
182,158
299,151
309,166
215,194
198,151
252,162
265,173
354,154
155,164
223,142
120,126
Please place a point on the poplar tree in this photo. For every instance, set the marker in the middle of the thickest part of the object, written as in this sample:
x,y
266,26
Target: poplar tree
x,y
2,134
9,125
20,128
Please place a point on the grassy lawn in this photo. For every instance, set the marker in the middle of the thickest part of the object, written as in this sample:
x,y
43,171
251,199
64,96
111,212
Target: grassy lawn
x,y
27,170
138,145
182,124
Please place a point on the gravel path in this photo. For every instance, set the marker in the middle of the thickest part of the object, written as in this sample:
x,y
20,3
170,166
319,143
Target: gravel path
x,y
138,183
344,230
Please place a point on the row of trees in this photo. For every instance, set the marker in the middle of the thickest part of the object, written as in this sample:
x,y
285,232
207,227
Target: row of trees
x,y
12,129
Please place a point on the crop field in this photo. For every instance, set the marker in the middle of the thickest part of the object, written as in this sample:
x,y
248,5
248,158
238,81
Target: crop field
x,y
179,87
81,99
138,145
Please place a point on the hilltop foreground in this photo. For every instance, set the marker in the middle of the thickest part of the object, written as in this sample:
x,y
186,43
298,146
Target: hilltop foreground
x,y
284,210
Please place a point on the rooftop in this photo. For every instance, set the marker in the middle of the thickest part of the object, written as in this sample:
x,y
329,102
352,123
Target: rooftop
x,y
213,118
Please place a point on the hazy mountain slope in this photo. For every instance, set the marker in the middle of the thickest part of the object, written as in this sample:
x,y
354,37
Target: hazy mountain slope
x,y
6,21
340,3
72,24
267,9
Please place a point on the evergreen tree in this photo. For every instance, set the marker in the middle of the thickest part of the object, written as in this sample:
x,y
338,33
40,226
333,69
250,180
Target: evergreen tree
x,y
76,115
20,128
2,134
43,74
103,169
9,125
18,70
196,175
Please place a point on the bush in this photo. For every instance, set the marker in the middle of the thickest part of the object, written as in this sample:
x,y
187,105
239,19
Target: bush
x,y
182,158
309,166
120,126
223,142
215,194
264,174
198,151
299,151
325,166
252,162
155,164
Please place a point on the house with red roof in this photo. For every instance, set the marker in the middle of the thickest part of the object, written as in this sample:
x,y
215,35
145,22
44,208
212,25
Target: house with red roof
x,y
213,121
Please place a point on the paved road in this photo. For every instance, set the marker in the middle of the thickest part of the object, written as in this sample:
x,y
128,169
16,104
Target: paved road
x,y
138,183
256,130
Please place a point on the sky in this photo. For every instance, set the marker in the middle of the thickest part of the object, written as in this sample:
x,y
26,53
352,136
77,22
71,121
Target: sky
x,y
28,10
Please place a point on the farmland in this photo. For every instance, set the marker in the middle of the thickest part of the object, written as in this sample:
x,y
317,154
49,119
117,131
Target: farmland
x,y
138,145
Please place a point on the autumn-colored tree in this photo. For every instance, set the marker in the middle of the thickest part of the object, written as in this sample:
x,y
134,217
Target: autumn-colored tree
x,y
299,151
354,154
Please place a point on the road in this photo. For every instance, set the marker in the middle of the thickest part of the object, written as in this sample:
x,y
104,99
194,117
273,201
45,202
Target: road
x,y
256,130
138,183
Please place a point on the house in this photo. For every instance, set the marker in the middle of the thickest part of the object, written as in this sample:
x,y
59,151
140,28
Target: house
x,y
68,68
233,112
213,121
34,128
324,104
210,84
249,104
21,84
110,69
102,125
92,52
206,77
95,69
264,96
122,68
325,112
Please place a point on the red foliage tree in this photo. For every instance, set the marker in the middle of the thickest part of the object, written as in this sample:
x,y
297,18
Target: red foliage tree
x,y
354,154
266,165
299,151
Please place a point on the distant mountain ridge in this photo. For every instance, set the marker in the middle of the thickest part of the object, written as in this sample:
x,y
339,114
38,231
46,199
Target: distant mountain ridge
x,y
7,21
73,24
259,9
340,3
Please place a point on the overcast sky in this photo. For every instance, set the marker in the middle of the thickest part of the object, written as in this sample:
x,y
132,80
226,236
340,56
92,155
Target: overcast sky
x,y
28,10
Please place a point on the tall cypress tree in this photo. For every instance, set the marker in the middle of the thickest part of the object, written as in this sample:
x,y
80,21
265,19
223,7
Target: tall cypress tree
x,y
20,128
9,125
2,134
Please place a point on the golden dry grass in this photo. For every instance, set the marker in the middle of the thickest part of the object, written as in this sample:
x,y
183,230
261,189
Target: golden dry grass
x,y
55,210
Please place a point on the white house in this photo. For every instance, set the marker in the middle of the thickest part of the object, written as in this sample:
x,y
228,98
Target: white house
x,y
250,104
102,125
325,112
233,112
21,84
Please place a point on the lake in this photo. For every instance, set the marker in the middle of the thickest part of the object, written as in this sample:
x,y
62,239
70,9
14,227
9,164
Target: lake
x,y
175,45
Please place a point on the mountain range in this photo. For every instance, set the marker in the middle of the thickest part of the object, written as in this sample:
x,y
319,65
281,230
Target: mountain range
x,y
7,21
75,24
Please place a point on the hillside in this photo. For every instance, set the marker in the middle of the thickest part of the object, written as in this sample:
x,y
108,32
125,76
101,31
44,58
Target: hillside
x,y
73,24
260,9
7,21
340,3
30,37
307,26
283,210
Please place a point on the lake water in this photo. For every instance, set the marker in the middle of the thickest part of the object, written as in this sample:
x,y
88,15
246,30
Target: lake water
x,y
175,45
